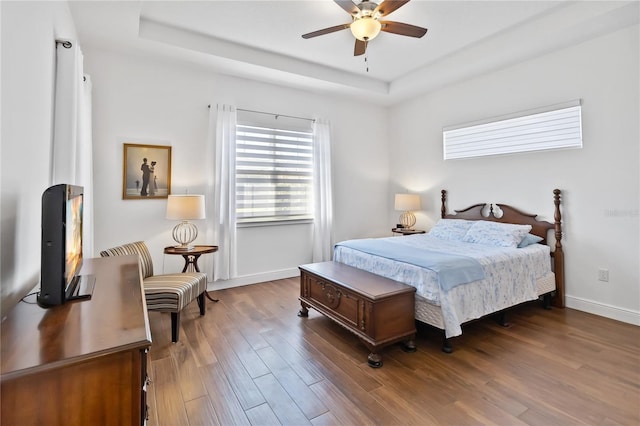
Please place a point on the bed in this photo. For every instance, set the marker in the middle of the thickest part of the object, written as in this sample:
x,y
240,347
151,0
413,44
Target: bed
x,y
509,246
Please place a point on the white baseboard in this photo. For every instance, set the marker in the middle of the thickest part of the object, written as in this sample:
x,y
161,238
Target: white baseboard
x,y
604,310
585,305
253,279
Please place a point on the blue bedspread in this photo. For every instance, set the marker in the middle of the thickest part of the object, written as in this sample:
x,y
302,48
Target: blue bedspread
x,y
452,269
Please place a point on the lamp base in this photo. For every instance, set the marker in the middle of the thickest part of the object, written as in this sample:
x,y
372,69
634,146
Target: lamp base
x,y
184,234
407,219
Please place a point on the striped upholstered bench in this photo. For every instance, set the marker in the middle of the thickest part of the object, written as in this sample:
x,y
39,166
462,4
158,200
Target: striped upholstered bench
x,y
168,292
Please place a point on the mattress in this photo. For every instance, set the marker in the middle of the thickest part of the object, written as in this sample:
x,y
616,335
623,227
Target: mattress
x,y
512,276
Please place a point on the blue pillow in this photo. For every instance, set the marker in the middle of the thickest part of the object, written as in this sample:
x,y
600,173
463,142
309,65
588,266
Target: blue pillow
x,y
528,240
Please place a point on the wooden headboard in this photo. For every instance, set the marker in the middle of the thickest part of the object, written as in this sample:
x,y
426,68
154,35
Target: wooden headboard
x,y
540,228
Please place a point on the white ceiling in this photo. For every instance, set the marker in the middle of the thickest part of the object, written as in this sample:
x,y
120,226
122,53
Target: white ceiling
x,y
262,39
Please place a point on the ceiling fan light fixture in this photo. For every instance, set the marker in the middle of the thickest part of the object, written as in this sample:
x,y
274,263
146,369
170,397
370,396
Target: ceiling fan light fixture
x,y
365,28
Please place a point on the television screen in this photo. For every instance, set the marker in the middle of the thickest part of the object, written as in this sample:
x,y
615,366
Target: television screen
x,y
73,244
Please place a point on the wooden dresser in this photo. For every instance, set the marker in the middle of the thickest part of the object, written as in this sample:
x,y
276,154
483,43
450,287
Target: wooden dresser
x,y
81,363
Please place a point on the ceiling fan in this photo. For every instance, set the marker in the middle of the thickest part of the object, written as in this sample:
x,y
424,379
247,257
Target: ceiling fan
x,y
366,23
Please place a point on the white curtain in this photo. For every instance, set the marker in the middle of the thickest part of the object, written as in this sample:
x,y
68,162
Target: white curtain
x,y
222,190
72,153
84,163
65,124
323,206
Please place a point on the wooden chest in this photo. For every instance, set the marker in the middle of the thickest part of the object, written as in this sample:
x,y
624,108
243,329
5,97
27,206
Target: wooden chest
x,y
378,310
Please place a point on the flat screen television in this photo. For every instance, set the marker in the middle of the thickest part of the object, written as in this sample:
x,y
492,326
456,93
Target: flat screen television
x,y
61,250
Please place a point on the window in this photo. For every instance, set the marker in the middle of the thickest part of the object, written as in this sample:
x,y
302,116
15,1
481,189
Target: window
x,y
273,174
554,127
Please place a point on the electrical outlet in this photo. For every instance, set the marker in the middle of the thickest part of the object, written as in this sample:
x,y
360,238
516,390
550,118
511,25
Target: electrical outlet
x,y
603,275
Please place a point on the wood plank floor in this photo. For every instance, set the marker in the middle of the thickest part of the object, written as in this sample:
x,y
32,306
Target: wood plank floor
x,y
251,361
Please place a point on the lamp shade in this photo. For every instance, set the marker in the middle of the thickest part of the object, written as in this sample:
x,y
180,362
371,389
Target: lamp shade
x,y
185,207
407,202
365,28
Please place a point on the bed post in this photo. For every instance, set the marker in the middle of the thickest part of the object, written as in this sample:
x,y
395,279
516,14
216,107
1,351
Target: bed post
x,y
443,209
558,254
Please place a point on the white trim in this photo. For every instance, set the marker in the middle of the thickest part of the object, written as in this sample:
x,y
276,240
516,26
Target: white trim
x,y
253,279
273,222
562,105
602,309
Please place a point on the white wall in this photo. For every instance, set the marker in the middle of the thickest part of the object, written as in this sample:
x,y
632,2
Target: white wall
x,y
29,31
137,99
142,100
600,183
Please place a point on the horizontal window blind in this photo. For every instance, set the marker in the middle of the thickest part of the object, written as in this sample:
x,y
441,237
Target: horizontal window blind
x,y
273,174
552,129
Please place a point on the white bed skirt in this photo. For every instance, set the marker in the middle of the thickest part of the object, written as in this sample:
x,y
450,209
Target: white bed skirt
x,y
432,314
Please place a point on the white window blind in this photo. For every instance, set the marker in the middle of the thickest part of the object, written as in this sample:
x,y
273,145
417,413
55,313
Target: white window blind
x,y
555,127
273,174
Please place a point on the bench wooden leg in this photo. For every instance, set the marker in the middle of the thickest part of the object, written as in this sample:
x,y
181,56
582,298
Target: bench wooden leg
x,y
304,311
374,360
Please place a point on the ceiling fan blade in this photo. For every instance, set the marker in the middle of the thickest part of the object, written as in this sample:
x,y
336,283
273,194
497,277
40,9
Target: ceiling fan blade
x,y
388,6
326,31
403,29
360,48
348,5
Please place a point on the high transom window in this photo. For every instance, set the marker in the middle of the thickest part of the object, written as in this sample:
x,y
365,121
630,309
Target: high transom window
x,y
554,127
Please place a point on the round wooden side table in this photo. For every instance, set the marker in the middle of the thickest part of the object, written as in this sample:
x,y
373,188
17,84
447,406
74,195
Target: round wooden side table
x,y
191,259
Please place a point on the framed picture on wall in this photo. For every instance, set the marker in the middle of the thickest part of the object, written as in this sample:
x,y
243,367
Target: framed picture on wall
x,y
146,171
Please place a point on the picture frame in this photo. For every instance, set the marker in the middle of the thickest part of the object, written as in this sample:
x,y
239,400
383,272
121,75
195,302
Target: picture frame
x,y
146,171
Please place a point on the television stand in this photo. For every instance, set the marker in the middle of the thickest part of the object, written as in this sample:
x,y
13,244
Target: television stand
x,y
82,288
79,363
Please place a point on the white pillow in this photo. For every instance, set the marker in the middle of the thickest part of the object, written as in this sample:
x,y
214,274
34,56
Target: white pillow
x,y
496,233
451,229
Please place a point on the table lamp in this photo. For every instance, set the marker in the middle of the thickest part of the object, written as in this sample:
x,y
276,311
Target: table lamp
x,y
185,208
407,203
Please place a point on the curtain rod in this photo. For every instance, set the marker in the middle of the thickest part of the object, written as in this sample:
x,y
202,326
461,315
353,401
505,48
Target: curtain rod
x,y
65,43
275,115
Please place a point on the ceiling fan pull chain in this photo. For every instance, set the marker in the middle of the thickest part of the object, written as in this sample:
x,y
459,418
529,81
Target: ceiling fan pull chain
x,y
366,55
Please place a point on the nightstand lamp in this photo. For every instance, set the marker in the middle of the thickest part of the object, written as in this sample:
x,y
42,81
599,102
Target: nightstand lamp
x,y
185,208
407,203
